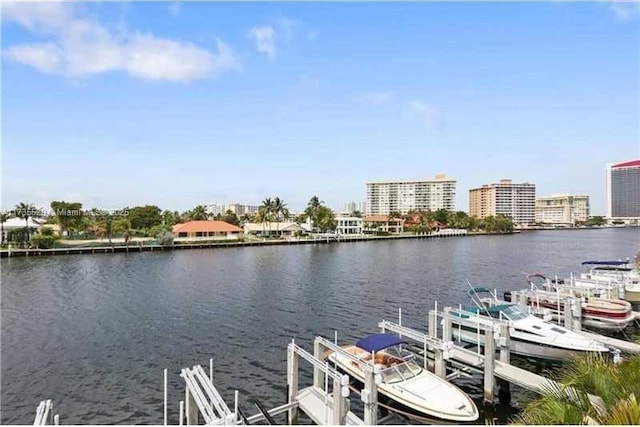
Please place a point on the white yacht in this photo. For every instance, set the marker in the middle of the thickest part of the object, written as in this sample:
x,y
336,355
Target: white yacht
x,y
530,336
404,381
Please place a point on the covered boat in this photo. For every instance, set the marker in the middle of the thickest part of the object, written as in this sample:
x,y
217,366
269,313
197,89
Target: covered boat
x,y
404,381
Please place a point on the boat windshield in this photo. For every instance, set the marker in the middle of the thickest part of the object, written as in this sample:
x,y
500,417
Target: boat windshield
x,y
513,312
400,372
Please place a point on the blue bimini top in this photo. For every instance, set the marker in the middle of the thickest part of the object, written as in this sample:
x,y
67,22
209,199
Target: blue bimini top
x,y
377,342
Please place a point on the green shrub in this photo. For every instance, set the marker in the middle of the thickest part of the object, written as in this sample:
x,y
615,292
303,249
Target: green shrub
x,y
165,238
43,240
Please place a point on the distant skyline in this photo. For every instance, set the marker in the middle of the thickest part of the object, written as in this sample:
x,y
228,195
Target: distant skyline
x,y
180,104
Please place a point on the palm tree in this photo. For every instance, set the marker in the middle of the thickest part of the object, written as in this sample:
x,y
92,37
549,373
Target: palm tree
x,y
280,209
262,217
313,208
4,217
199,213
594,390
268,208
26,211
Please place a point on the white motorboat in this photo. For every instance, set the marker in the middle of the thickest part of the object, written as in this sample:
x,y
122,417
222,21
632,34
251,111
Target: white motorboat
x,y
621,273
404,381
596,312
529,335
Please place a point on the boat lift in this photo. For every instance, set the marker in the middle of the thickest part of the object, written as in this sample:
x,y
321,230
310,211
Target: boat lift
x,y
44,414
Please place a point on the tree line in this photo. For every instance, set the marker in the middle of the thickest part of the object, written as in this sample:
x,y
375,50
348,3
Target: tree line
x,y
151,221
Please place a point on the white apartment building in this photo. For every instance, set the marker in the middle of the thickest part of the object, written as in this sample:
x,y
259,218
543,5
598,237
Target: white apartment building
x,y
349,225
384,197
562,209
504,198
236,208
351,207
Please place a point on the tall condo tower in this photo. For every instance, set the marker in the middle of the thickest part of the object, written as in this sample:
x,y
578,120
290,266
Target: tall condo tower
x,y
623,191
384,197
504,198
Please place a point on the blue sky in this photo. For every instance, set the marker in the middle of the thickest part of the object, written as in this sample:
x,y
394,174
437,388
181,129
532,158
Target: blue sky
x,y
179,104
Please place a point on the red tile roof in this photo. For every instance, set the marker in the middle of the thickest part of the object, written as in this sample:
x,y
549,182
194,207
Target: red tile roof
x,y
206,226
627,164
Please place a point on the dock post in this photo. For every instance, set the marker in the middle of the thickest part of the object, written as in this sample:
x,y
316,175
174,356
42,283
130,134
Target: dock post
x,y
433,327
181,413
191,409
576,311
505,343
292,382
446,329
440,365
369,397
165,397
568,316
340,406
318,374
489,362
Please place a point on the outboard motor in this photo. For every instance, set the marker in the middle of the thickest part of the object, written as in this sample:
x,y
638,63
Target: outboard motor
x,y
507,296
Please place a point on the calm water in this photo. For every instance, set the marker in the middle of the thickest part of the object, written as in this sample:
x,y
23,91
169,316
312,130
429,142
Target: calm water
x,y
94,332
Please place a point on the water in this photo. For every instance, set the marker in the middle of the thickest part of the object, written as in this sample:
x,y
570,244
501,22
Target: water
x,y
94,332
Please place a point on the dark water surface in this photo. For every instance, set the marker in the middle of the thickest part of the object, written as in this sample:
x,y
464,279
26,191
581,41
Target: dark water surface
x,y
94,332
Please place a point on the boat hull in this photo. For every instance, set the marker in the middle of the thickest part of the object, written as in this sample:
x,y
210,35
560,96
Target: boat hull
x,y
632,296
521,347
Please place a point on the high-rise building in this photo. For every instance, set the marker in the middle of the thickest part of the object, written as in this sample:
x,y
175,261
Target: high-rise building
x,y
351,207
562,209
504,198
384,197
236,208
623,191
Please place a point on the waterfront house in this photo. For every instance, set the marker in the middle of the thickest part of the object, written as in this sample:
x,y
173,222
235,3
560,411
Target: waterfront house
x,y
349,225
194,231
413,220
383,223
273,229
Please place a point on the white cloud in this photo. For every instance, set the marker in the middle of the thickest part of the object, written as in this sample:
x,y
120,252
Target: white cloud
x,y
83,47
42,16
379,98
44,57
626,11
174,8
265,39
426,112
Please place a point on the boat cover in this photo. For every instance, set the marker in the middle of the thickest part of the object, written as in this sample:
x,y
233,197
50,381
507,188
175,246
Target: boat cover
x,y
605,262
377,342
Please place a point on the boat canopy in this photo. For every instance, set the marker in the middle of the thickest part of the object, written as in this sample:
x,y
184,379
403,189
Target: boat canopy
x,y
605,262
377,342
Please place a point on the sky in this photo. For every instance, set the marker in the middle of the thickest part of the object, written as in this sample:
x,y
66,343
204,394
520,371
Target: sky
x,y
180,104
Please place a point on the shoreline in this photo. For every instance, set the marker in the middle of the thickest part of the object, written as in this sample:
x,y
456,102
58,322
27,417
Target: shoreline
x,y
223,244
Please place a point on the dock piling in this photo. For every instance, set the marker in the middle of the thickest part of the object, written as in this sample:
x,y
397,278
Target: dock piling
x,y
292,381
369,397
489,365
